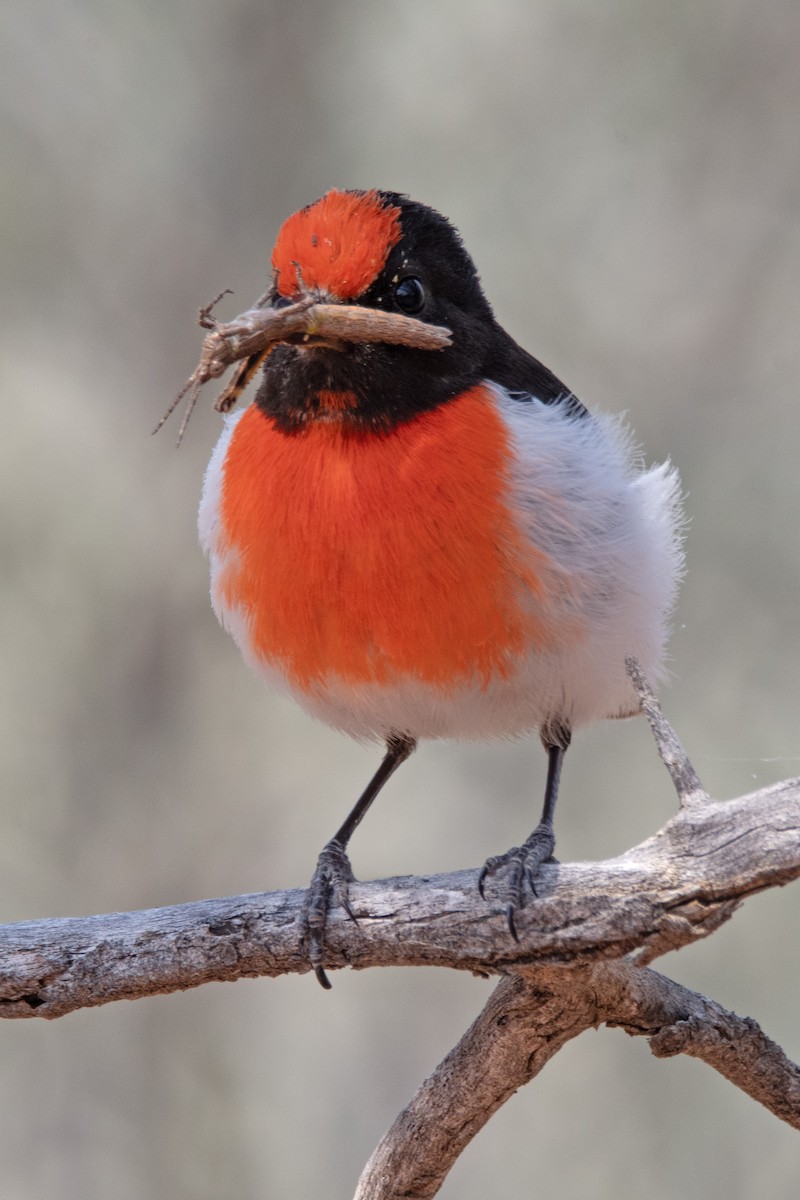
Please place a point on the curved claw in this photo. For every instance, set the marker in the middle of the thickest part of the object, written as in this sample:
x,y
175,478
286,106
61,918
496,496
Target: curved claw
x,y
512,928
322,978
493,864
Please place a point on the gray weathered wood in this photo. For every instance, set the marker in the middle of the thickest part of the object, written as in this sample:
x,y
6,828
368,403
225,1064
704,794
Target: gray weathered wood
x,y
673,888
528,1018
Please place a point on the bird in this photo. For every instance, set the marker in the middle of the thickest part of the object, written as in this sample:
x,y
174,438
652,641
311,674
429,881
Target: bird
x,y
420,539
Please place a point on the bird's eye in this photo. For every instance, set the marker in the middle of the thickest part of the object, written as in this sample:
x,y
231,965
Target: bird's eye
x,y
280,301
409,295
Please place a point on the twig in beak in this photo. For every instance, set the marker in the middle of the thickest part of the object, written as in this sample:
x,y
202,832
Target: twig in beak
x,y
253,334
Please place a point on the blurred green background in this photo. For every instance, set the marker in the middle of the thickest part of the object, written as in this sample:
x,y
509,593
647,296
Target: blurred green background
x,y
626,177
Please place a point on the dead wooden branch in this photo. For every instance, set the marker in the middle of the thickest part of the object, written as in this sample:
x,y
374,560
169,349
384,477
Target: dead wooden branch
x,y
579,962
684,777
527,1019
677,886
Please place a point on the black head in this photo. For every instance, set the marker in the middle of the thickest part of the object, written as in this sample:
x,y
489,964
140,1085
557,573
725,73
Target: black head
x,y
382,250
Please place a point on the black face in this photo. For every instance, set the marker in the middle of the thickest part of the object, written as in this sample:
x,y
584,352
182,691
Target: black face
x,y
428,275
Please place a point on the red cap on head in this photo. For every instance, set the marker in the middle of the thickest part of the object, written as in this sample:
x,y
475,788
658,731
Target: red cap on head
x,y
340,244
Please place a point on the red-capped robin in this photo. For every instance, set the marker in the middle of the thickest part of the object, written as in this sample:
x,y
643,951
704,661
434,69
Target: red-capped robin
x,y
430,543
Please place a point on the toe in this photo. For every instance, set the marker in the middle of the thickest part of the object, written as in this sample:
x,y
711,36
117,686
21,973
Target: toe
x,y
330,884
517,872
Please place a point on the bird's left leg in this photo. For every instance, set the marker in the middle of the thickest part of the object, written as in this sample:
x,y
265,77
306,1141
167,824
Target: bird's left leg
x,y
523,861
333,874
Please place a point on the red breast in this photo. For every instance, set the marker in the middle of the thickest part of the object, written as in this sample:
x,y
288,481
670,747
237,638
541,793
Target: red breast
x,y
372,555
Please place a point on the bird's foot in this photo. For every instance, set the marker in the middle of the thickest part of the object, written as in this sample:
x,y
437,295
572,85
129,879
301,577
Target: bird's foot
x,y
520,866
330,884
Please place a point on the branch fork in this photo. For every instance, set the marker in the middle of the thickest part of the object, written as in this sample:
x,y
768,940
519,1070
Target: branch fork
x,y
581,960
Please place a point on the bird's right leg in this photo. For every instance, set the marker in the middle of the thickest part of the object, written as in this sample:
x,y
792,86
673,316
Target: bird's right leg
x,y
333,874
